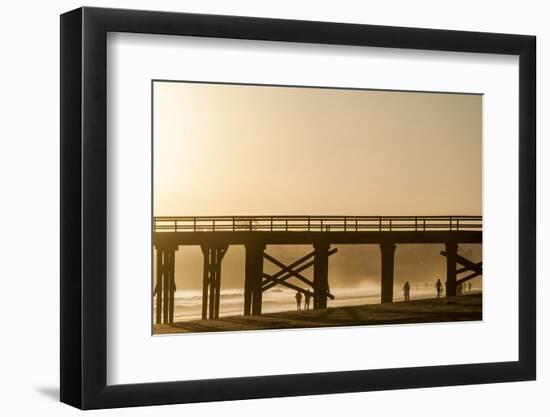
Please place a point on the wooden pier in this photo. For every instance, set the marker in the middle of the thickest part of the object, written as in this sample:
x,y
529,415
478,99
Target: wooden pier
x,y
216,234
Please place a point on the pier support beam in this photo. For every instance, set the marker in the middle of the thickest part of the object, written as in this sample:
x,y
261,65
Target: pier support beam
x,y
320,275
211,282
254,268
166,285
387,251
451,251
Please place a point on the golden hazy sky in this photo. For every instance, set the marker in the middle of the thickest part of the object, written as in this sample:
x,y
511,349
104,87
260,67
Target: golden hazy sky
x,y
242,150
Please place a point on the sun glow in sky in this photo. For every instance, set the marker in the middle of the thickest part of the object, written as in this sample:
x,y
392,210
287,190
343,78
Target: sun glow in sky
x,y
235,149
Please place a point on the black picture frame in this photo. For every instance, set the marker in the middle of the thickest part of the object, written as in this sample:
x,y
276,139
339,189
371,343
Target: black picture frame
x,y
84,207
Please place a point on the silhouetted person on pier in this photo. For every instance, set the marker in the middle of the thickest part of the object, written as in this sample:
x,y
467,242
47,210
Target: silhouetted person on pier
x,y
307,300
439,287
459,289
298,300
407,291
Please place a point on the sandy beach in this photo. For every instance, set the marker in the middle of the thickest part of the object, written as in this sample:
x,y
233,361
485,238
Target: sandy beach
x,y
464,308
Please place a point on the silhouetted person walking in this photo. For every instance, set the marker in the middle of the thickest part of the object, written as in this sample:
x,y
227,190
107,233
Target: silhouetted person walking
x,y
298,300
407,291
307,300
439,287
469,286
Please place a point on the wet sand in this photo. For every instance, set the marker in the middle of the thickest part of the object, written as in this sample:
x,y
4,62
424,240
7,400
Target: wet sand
x,y
464,308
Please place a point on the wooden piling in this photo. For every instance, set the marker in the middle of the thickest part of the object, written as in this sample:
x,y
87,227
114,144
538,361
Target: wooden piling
x,y
211,283
387,251
172,280
205,281
320,274
160,269
165,289
217,286
257,300
166,284
247,297
254,265
222,253
211,273
451,249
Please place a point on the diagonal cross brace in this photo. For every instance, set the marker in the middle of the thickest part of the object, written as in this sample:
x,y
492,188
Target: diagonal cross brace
x,y
469,265
287,272
466,269
468,277
281,281
292,265
272,280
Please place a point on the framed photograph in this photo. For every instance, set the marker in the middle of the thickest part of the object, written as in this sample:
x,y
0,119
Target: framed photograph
x,y
256,208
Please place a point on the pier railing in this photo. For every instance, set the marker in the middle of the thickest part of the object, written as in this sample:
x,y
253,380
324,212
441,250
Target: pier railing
x,y
315,223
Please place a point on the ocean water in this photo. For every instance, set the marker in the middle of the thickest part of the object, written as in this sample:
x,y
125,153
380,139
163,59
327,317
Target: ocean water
x,y
188,304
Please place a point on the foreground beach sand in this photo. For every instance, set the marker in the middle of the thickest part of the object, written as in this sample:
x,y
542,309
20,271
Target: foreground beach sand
x,y
464,308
